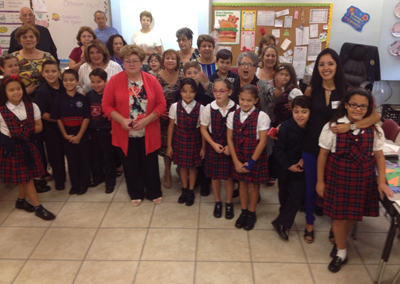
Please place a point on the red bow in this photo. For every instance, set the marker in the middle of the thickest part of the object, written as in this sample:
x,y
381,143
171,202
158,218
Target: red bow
x,y
12,77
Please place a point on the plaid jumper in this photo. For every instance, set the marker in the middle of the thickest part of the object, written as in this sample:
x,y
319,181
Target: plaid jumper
x,y
280,111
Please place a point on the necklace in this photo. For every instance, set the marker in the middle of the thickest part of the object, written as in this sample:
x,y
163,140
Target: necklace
x,y
329,91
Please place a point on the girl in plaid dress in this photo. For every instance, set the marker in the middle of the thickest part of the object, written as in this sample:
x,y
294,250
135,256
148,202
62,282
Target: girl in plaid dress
x,y
346,177
20,160
218,163
185,145
247,139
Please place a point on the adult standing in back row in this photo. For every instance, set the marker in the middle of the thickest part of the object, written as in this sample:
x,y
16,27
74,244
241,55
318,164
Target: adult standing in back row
x,y
45,42
146,38
103,31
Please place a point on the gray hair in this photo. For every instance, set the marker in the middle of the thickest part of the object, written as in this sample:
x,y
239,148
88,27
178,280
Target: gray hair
x,y
184,32
249,54
98,11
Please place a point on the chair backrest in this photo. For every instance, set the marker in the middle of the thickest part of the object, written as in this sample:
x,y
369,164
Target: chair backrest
x,y
391,129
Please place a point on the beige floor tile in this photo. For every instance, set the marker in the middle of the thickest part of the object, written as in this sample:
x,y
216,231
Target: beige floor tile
x,y
223,245
18,243
56,195
95,194
319,251
282,273
8,192
79,214
370,247
21,218
269,194
170,244
9,270
388,275
117,244
166,272
121,194
347,274
105,272
64,244
171,195
321,224
379,224
175,215
223,272
6,207
264,244
207,219
48,272
123,214
266,213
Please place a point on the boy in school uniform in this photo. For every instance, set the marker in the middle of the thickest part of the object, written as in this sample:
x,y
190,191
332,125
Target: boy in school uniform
x,y
291,179
224,64
72,112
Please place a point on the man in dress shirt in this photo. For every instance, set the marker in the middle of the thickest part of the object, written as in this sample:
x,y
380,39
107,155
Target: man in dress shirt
x,y
103,31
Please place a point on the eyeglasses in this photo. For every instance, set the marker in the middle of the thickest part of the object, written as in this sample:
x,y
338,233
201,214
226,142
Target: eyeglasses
x,y
220,91
355,106
247,65
27,15
133,62
181,40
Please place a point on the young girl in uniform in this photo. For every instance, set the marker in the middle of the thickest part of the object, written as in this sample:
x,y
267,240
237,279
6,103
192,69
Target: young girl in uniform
x,y
185,144
247,140
19,153
282,109
8,65
346,176
218,163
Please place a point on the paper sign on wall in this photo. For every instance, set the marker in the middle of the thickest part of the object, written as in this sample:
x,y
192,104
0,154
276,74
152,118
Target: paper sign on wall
x,y
356,18
266,18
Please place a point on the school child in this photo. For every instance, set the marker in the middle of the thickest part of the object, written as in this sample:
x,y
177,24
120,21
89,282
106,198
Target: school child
x,y
247,141
20,160
287,152
154,62
72,112
346,176
291,90
218,163
44,97
8,65
224,63
102,151
185,144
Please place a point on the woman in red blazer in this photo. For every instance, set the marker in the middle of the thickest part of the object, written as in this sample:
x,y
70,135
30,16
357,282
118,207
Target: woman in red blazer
x,y
134,100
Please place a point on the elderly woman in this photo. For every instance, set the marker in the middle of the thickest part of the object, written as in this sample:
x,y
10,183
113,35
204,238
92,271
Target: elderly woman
x,y
134,100
269,64
29,58
187,52
206,45
146,38
77,57
96,56
114,45
169,78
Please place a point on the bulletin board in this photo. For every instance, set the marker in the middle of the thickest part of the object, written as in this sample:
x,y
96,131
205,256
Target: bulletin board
x,y
246,19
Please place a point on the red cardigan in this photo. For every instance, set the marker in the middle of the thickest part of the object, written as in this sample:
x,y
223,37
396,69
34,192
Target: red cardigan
x,y
116,98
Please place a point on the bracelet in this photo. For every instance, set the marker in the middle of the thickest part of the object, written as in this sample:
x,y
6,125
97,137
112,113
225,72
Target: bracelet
x,y
250,163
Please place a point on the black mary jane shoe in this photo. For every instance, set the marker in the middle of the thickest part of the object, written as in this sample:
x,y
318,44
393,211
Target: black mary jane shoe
x,y
336,263
250,222
190,198
109,189
218,210
281,230
333,251
182,198
229,211
241,220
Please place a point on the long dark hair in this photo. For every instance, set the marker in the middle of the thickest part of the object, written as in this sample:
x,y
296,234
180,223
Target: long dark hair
x,y
341,83
110,43
293,78
7,80
253,90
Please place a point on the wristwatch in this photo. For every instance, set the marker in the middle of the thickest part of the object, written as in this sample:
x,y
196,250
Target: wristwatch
x,y
352,126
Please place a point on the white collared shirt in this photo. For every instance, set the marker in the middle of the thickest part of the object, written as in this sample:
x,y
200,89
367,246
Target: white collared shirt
x,y
20,112
205,116
263,121
188,107
327,138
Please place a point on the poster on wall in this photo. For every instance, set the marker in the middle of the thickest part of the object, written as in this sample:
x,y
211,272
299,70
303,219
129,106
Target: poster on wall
x,y
355,18
248,41
248,20
229,22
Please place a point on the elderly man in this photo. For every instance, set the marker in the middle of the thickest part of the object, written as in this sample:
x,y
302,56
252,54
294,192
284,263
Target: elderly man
x,y
103,31
45,43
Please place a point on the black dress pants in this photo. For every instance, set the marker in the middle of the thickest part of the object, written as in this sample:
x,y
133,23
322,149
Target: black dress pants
x,y
54,142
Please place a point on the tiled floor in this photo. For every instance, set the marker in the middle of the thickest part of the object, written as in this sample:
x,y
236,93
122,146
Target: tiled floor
x,y
99,238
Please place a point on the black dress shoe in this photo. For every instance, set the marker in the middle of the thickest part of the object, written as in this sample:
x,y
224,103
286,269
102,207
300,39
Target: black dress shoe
x,y
241,220
82,191
229,212
336,264
183,197
60,187
42,189
281,230
40,182
205,190
44,214
73,190
190,198
24,205
218,210
250,222
109,189
95,183
235,193
333,251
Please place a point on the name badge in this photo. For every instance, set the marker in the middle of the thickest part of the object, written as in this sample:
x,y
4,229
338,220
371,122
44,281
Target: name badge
x,y
335,104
